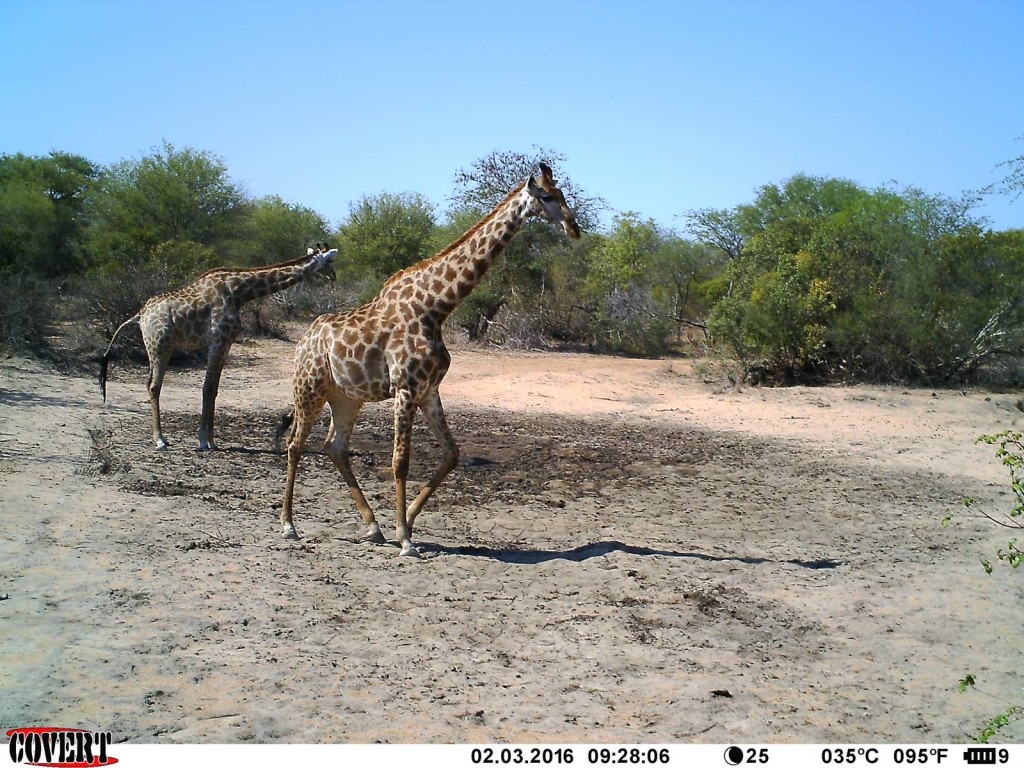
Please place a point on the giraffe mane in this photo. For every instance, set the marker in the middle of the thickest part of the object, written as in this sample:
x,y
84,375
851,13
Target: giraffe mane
x,y
462,240
239,270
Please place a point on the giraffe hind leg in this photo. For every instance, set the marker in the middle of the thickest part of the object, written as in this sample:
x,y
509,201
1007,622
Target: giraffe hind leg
x,y
434,413
343,417
405,409
158,362
305,417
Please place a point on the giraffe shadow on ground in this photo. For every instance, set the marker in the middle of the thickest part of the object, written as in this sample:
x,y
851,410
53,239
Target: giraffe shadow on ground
x,y
242,450
11,397
602,548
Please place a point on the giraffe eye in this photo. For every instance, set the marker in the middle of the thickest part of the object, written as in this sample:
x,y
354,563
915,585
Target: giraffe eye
x,y
546,198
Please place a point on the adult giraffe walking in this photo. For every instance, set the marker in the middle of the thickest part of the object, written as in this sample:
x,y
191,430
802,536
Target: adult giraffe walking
x,y
392,347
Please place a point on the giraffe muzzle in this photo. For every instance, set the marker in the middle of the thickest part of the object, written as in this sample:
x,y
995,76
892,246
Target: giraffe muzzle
x,y
327,260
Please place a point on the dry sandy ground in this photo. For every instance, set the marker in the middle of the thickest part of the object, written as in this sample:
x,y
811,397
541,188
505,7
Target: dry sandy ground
x,y
627,554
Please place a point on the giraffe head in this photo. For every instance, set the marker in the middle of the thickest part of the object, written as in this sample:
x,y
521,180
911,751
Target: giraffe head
x,y
549,203
323,260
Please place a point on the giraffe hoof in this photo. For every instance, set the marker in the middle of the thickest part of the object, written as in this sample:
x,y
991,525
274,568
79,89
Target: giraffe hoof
x,y
373,536
162,446
289,532
409,551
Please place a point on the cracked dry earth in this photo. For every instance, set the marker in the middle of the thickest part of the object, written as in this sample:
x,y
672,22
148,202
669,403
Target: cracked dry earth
x,y
626,554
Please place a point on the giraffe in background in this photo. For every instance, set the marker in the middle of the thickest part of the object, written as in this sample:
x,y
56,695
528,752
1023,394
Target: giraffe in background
x,y
392,347
206,314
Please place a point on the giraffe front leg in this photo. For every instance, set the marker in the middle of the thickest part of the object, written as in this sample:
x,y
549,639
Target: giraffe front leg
x,y
214,368
405,409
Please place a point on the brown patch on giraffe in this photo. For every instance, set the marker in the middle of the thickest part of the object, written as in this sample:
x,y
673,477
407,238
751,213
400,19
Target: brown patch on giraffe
x,y
354,372
374,357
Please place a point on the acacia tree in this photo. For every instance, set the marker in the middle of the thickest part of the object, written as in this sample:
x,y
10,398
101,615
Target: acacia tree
x,y
687,278
720,229
385,233
645,284
42,218
168,195
1013,182
836,280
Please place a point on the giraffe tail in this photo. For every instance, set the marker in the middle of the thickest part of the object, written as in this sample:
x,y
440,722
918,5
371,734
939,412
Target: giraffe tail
x,y
286,424
105,359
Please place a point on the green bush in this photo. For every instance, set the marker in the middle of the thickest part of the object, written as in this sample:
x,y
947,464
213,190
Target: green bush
x,y
835,281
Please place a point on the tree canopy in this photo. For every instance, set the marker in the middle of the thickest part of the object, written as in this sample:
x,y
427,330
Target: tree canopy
x,y
835,280
814,279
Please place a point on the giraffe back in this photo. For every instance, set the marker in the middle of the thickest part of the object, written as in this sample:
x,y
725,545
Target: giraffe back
x,y
185,318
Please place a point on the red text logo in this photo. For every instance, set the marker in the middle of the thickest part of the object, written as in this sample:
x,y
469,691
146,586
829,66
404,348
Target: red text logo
x,y
60,747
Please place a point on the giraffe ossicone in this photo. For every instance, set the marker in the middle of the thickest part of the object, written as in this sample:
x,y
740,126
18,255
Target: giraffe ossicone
x,y
393,347
205,314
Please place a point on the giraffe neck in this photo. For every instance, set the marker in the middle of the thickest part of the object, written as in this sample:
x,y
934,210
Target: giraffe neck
x,y
452,275
248,284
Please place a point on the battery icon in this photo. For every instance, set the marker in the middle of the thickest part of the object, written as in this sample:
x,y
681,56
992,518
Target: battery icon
x,y
980,756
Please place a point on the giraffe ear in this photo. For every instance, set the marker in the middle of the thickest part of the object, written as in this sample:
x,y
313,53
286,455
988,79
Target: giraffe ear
x,y
310,251
531,185
547,180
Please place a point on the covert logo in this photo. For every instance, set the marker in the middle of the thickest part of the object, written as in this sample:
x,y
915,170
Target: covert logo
x,y
59,747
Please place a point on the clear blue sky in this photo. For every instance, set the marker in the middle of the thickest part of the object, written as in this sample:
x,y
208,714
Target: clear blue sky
x,y
659,107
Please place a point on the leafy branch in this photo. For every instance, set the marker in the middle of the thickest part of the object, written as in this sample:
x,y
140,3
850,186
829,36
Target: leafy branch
x,y
1011,451
1011,715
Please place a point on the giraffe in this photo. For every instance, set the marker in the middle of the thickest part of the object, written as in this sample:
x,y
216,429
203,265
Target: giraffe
x,y
205,314
393,347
